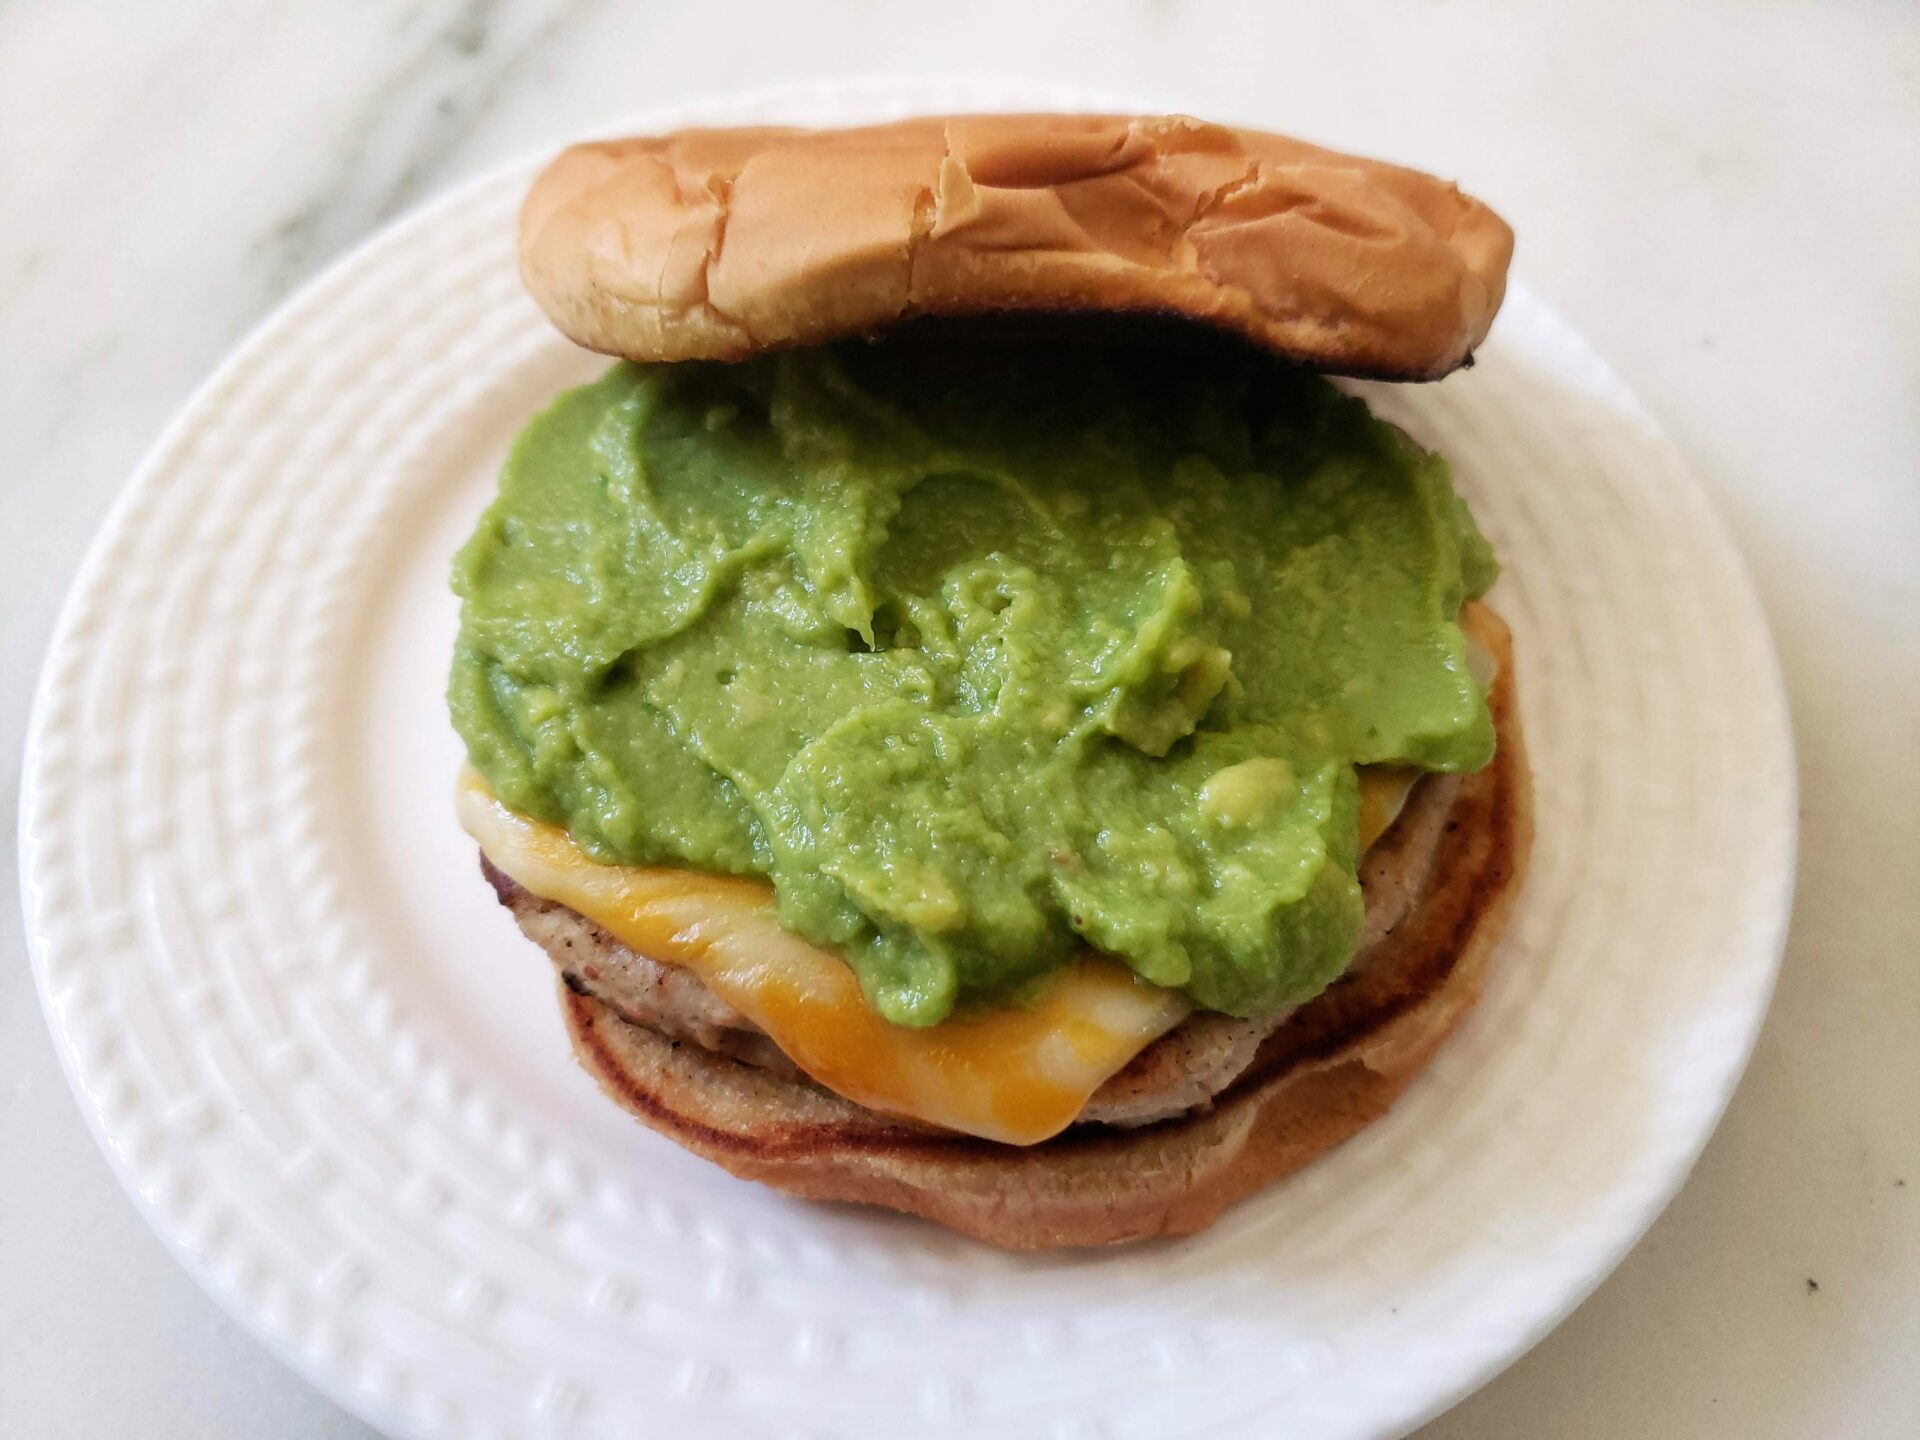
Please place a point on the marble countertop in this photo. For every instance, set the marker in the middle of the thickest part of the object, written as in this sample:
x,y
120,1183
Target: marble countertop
x,y
1722,196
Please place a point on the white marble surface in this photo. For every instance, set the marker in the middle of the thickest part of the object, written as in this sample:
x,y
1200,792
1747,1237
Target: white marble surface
x,y
1723,196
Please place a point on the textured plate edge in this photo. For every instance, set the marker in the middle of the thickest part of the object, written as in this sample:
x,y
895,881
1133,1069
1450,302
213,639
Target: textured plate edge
x,y
1713,533
331,1383
879,90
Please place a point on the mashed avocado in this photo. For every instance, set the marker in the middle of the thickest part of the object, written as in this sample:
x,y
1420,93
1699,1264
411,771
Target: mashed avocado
x,y
981,653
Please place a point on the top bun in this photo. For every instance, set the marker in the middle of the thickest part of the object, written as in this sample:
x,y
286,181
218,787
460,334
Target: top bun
x,y
719,244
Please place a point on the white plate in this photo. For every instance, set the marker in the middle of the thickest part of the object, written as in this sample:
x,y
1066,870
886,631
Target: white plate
x,y
334,1078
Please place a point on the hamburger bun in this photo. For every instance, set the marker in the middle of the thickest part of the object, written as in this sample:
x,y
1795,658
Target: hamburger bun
x,y
1332,1067
719,244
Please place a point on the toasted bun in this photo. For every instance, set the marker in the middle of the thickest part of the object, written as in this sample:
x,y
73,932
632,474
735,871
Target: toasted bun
x,y
1334,1066
718,244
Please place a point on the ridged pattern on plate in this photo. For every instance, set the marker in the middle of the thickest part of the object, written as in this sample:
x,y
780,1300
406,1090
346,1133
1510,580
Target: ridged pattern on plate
x,y
433,1252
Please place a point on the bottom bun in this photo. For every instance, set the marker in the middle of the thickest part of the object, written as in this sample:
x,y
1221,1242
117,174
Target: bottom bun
x,y
1335,1066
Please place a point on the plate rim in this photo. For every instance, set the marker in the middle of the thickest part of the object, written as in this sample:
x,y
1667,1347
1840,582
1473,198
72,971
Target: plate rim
x,y
337,1382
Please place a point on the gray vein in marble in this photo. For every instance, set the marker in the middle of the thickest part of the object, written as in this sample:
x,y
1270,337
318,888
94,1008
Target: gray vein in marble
x,y
457,115
460,58
466,33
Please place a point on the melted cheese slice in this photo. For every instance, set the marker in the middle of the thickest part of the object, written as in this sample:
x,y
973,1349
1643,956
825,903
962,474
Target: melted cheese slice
x,y
1383,795
1017,1074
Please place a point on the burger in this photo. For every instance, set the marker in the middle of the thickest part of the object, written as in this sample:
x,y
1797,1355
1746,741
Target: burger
x,y
980,725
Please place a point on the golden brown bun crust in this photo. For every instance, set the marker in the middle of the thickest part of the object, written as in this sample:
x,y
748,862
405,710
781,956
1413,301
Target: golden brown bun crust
x,y
1336,1065
718,244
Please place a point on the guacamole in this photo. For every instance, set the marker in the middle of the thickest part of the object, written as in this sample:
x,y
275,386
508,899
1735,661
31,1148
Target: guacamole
x,y
981,653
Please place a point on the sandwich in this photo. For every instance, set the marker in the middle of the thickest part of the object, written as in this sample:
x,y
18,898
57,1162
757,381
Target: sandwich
x,y
980,724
